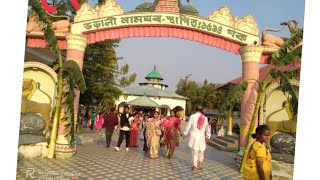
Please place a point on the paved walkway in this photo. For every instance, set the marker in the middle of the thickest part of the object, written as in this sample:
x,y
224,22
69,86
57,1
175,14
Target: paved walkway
x,y
94,161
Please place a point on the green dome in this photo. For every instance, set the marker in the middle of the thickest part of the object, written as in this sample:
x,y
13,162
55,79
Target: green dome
x,y
145,7
154,74
189,9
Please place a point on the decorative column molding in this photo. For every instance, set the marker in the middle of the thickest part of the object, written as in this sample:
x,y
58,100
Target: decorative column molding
x,y
76,42
76,46
251,53
250,56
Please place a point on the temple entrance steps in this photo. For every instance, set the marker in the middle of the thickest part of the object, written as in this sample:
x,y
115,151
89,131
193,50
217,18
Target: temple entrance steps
x,y
225,143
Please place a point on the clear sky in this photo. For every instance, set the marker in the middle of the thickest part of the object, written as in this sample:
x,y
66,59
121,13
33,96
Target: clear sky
x,y
177,58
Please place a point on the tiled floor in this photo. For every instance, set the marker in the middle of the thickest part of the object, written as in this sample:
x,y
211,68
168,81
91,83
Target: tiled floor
x,y
94,161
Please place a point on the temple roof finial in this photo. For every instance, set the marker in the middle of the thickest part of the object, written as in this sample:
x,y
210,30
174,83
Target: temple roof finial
x,y
154,74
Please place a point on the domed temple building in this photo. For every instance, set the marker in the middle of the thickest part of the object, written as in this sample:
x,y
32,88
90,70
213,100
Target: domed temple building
x,y
152,95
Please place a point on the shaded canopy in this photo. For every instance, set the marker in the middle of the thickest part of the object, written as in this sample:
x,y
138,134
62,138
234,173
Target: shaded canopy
x,y
143,101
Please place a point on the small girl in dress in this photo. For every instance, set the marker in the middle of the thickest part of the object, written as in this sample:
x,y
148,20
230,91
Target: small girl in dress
x,y
220,131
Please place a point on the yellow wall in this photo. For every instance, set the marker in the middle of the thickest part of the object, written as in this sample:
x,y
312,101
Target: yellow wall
x,y
274,102
47,85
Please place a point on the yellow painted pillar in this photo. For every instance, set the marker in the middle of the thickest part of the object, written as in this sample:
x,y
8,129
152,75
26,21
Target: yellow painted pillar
x,y
229,132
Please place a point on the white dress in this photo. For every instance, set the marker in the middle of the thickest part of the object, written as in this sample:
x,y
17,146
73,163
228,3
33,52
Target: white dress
x,y
221,132
197,137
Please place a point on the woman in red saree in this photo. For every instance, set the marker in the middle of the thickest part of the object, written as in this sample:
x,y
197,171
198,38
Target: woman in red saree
x,y
134,133
172,132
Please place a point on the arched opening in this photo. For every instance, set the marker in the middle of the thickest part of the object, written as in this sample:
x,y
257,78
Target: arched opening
x,y
164,109
97,24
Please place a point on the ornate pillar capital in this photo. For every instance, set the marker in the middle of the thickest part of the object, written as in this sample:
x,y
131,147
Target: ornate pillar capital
x,y
76,42
251,53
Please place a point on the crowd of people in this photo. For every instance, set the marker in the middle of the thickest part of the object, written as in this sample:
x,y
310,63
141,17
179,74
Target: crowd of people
x,y
156,130
92,121
150,127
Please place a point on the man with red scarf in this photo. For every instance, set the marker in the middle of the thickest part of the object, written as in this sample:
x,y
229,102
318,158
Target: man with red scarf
x,y
199,133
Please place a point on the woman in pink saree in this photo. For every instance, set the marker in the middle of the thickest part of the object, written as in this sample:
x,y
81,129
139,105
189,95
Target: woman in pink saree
x,y
134,133
172,132
99,122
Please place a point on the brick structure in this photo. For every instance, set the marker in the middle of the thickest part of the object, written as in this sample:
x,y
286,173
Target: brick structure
x,y
167,6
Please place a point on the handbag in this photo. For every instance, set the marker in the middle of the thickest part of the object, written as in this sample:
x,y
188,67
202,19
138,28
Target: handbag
x,y
163,140
141,135
159,132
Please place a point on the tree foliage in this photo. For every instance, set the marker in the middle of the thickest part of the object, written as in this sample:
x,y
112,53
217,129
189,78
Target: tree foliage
x,y
233,98
101,71
65,7
284,79
103,76
204,94
290,51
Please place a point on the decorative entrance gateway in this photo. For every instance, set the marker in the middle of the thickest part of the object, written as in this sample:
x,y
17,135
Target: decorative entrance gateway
x,y
165,18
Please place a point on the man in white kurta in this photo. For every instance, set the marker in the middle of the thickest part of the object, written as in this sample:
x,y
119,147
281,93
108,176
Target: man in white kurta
x,y
197,137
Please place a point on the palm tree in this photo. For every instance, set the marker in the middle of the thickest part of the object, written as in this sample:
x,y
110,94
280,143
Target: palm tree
x,y
233,97
69,77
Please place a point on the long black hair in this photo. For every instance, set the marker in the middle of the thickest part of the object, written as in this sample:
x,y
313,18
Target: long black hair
x,y
259,130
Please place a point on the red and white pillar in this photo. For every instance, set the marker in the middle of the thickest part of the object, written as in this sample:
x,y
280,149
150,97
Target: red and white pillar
x,y
76,45
250,56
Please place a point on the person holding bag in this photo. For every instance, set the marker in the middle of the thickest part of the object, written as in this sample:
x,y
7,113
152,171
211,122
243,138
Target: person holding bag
x,y
257,166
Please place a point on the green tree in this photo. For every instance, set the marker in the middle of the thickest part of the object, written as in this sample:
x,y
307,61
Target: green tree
x,y
65,7
200,94
211,97
103,76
